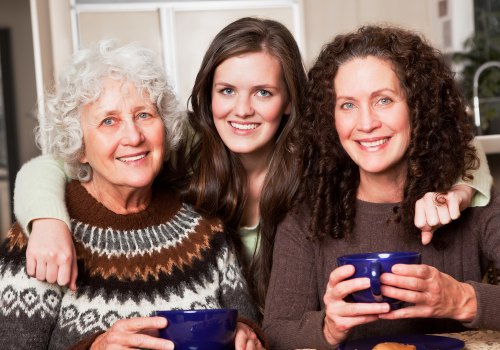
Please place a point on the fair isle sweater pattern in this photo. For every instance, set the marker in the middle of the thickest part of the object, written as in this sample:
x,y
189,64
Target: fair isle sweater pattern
x,y
167,257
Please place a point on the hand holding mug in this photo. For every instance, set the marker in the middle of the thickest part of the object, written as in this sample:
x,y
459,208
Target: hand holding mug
x,y
246,339
342,316
132,333
372,266
433,294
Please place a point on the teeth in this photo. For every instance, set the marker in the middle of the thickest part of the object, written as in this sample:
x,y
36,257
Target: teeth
x,y
373,143
131,159
244,126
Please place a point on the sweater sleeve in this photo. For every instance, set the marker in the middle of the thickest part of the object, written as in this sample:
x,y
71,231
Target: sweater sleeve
x,y
488,307
293,317
39,191
482,181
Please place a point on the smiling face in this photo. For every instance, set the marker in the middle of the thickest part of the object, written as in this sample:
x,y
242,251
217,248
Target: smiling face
x,y
249,98
124,138
372,116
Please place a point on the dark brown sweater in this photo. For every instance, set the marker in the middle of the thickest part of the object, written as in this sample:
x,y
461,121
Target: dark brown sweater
x,y
294,306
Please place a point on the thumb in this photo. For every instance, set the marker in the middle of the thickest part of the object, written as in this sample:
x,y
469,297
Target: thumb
x,y
426,237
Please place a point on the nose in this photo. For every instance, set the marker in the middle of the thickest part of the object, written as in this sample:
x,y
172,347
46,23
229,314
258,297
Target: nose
x,y
132,134
243,107
368,120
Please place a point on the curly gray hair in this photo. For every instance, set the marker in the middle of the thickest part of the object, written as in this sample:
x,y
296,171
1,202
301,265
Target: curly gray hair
x,y
59,132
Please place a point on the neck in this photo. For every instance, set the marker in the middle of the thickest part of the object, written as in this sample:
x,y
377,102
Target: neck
x,y
381,188
119,199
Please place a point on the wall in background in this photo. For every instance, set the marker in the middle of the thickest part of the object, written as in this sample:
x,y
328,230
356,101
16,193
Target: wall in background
x,y
15,16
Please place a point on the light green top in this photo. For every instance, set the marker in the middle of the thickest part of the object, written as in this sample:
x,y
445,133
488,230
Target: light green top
x,y
250,238
40,185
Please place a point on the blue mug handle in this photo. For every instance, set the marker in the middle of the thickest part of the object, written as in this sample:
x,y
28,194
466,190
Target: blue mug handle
x,y
375,281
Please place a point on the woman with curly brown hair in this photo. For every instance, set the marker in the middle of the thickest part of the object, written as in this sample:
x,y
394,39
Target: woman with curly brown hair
x,y
388,124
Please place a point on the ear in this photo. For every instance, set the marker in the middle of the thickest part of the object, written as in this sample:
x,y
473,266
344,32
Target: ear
x,y
82,158
288,109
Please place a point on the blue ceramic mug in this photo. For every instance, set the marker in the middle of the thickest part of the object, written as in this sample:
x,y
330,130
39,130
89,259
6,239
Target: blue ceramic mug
x,y
210,329
372,265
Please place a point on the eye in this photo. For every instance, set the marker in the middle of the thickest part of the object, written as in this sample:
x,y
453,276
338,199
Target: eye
x,y
227,91
385,101
144,115
263,93
347,105
108,121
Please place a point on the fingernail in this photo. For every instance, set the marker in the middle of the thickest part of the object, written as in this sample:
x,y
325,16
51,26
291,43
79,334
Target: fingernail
x,y
162,321
386,308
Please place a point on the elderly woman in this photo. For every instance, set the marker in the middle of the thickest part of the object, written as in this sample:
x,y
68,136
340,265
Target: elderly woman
x,y
390,125
112,120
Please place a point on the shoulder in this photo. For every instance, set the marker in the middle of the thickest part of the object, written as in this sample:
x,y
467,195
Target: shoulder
x,y
493,205
495,196
480,217
204,222
295,225
13,248
16,239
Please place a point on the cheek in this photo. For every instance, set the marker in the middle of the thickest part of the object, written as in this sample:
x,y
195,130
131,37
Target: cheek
x,y
157,135
342,127
272,113
405,127
219,108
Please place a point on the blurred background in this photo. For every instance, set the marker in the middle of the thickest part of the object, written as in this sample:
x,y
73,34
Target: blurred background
x,y
37,38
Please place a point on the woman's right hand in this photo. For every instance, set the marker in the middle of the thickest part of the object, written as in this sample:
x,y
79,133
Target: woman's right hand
x,y
51,255
134,333
342,316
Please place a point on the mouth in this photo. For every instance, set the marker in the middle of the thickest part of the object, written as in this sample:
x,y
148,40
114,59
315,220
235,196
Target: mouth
x,y
374,143
246,126
132,158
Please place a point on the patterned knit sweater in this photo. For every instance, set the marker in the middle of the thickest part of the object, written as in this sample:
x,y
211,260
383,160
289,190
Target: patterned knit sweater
x,y
165,257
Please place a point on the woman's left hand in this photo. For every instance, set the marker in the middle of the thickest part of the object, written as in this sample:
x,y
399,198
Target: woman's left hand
x,y
433,294
246,339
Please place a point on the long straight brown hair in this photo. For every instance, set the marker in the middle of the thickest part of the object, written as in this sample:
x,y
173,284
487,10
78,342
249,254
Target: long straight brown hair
x,y
218,185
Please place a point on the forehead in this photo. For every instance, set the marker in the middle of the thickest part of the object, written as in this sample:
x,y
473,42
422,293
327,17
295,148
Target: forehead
x,y
118,91
366,72
260,63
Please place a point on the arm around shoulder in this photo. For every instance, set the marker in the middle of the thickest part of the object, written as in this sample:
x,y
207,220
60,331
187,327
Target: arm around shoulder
x,y
39,191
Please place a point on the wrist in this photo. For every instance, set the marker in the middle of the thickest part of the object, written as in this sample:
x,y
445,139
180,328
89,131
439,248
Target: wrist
x,y
465,192
467,310
330,334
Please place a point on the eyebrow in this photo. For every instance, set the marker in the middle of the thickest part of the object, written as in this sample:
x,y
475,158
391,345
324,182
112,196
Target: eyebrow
x,y
374,93
261,86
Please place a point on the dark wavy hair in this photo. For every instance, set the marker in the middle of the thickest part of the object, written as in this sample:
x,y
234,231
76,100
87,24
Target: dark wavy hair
x,y
218,185
440,150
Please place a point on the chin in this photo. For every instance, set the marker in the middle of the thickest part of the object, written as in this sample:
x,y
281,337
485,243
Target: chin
x,y
139,182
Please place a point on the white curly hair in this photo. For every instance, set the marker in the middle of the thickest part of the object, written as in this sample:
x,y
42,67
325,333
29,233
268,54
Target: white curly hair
x,y
59,132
